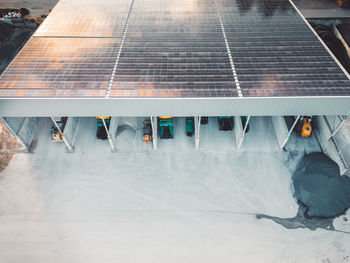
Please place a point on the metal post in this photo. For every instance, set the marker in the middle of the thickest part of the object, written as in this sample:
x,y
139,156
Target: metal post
x,y
110,140
291,130
154,124
197,128
76,132
66,142
244,130
339,126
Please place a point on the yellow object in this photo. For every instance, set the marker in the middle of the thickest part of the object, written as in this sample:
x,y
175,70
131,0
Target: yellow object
x,y
165,117
306,128
57,138
106,117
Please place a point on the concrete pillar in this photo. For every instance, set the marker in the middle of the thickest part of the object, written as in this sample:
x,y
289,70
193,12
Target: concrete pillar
x,y
197,128
154,123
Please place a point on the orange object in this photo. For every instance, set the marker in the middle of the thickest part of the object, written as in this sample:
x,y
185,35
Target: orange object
x,y
306,129
343,3
147,138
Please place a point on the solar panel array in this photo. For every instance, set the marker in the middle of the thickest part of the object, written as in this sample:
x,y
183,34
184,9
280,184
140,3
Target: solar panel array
x,y
276,54
173,48
86,18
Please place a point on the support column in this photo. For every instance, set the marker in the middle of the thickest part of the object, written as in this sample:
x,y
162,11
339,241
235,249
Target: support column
x,y
328,143
240,130
113,127
335,123
110,139
71,130
297,118
244,131
65,140
197,128
154,131
281,130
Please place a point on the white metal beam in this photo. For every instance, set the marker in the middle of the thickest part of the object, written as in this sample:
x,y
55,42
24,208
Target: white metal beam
x,y
113,127
338,127
281,130
71,130
154,123
244,131
328,143
176,107
240,130
297,118
109,137
197,128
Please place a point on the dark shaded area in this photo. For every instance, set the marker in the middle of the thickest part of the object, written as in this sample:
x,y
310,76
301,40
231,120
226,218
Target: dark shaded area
x,y
265,7
320,187
300,221
12,39
333,43
5,31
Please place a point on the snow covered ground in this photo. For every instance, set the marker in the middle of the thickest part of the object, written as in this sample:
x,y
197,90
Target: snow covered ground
x,y
170,205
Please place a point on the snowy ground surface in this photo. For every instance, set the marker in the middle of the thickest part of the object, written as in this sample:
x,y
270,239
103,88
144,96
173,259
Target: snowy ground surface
x,y
170,205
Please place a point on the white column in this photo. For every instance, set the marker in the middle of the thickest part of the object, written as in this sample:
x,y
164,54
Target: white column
x,y
238,131
154,131
244,131
281,130
110,139
65,140
197,128
335,123
71,130
297,118
113,127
